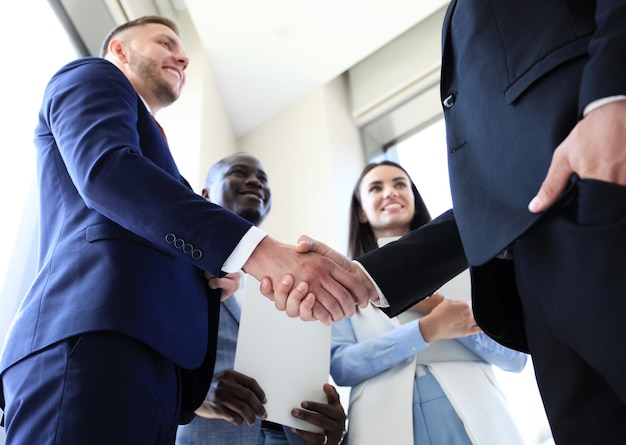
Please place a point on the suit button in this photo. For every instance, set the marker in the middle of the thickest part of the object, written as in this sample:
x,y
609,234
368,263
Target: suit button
x,y
170,238
187,248
179,243
196,254
448,102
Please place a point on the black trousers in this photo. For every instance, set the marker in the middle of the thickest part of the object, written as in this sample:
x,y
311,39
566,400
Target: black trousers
x,y
571,275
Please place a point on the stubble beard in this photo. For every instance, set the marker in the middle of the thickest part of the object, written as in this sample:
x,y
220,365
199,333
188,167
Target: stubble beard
x,y
150,72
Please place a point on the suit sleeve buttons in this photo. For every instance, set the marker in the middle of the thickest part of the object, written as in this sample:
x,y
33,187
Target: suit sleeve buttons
x,y
180,243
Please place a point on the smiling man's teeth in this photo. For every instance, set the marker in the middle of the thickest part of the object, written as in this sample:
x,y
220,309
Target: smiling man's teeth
x,y
176,73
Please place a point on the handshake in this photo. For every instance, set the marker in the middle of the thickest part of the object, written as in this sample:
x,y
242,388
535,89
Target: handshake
x,y
311,280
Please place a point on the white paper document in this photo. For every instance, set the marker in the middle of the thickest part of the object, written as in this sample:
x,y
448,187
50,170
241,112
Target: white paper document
x,y
288,357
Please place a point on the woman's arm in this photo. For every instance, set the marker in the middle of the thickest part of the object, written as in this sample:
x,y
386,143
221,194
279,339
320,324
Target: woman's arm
x,y
494,353
352,362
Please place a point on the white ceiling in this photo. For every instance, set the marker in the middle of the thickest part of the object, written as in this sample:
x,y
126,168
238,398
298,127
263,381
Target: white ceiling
x,y
266,54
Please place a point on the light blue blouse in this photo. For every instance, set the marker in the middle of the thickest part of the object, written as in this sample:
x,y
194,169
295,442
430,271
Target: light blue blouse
x,y
352,362
434,420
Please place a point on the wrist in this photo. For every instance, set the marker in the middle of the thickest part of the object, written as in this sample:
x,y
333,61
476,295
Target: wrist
x,y
427,329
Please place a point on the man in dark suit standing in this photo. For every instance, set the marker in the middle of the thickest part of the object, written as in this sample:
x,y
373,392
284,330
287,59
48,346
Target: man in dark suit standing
x,y
114,342
534,98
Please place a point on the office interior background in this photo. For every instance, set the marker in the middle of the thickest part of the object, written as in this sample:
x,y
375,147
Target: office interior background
x,y
313,89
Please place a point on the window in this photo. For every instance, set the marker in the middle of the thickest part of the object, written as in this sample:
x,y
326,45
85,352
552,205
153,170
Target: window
x,y
424,157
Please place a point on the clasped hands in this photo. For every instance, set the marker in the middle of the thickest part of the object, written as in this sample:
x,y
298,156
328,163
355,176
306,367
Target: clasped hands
x,y
311,281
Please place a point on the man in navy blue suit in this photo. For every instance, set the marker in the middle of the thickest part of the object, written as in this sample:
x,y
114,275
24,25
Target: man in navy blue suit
x,y
534,99
232,411
114,342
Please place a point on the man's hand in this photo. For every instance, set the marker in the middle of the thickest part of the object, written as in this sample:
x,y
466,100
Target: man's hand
x,y
331,279
302,299
228,284
593,150
237,398
330,417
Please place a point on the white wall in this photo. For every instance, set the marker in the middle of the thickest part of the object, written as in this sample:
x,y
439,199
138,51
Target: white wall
x,y
197,125
311,151
312,155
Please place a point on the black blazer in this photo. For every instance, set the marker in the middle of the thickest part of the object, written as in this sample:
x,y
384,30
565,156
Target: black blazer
x,y
516,76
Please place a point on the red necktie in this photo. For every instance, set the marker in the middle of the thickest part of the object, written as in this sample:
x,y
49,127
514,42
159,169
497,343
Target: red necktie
x,y
160,128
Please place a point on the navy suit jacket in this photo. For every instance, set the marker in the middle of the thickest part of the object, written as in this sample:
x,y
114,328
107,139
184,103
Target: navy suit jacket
x,y
123,239
201,431
516,76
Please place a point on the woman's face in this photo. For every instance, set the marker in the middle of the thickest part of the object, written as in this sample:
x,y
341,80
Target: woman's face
x,y
387,201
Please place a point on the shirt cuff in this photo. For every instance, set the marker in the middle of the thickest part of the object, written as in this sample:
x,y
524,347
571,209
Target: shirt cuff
x,y
382,301
243,250
598,103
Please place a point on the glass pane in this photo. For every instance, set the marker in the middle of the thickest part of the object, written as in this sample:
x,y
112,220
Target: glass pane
x,y
424,157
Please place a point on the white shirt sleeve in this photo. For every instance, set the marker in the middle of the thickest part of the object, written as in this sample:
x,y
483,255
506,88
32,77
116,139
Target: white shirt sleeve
x,y
598,103
382,300
243,250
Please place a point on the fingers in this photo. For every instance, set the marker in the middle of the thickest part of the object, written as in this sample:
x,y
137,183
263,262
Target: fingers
x,y
556,180
228,284
333,280
266,288
295,297
306,309
349,284
308,244
329,304
298,301
281,295
215,410
335,298
594,149
330,417
240,397
302,303
331,394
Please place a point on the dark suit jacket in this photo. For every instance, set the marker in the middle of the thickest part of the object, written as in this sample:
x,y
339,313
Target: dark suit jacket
x,y
516,75
123,239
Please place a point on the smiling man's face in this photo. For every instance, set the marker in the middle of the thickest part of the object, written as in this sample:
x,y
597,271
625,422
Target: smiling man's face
x,y
240,184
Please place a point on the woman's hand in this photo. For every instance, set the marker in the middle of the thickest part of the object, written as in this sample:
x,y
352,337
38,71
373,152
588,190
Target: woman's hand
x,y
449,319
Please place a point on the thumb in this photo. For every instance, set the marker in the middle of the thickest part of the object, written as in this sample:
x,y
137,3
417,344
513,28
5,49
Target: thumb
x,y
306,244
556,180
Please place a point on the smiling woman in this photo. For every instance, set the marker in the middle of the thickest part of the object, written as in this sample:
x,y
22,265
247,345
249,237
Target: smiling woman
x,y
23,88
